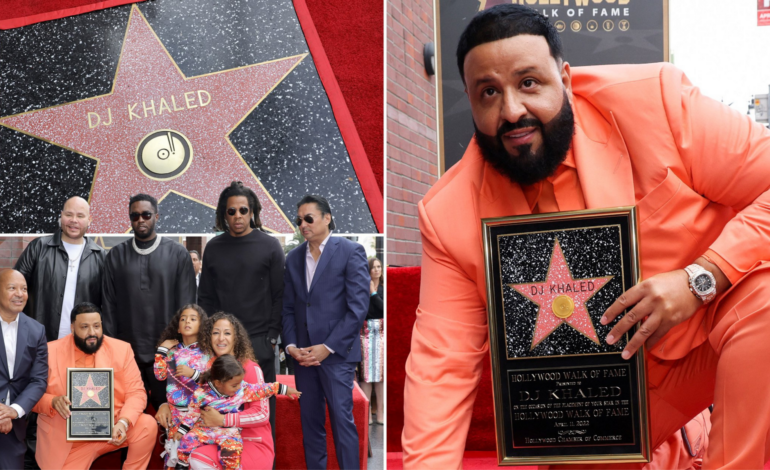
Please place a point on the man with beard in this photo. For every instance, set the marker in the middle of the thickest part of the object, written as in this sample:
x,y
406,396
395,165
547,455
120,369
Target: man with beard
x,y
243,275
23,369
61,270
88,347
146,279
642,135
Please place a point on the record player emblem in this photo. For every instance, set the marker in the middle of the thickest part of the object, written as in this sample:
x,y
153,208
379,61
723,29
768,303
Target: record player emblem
x,y
164,154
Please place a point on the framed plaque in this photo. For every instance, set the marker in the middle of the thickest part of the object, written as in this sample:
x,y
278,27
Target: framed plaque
x,y
91,392
562,394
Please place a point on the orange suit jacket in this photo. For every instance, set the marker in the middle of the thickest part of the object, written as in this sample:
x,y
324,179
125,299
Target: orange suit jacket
x,y
698,172
130,395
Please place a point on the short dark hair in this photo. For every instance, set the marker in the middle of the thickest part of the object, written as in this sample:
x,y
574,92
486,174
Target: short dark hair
x,y
224,368
237,188
503,22
143,197
196,253
321,203
84,307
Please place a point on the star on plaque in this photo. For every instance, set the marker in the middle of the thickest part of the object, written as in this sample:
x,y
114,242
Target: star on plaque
x,y
561,299
89,391
159,132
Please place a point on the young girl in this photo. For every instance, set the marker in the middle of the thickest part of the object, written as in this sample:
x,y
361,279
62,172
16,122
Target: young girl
x,y
225,391
183,348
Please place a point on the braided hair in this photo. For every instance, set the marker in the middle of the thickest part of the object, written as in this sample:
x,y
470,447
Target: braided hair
x,y
237,188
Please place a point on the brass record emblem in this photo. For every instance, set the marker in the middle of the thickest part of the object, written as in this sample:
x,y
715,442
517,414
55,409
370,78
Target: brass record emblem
x,y
164,154
563,306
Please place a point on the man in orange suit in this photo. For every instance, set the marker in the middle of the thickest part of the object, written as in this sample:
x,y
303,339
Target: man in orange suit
x,y
551,138
88,347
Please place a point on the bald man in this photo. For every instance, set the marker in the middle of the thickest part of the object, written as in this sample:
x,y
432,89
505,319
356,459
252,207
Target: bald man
x,y
23,367
63,270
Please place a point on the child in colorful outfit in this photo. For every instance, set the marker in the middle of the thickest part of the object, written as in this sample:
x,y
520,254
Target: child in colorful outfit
x,y
183,350
225,391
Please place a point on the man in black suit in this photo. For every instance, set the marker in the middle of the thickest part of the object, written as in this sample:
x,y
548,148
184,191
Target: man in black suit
x,y
23,367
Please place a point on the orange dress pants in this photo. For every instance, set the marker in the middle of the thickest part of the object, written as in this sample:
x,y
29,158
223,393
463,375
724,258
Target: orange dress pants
x,y
731,370
140,441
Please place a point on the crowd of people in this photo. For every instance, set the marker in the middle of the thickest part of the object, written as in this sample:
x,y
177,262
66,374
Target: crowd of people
x,y
193,336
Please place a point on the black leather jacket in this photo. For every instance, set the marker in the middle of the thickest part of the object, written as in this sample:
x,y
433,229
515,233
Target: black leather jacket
x,y
44,264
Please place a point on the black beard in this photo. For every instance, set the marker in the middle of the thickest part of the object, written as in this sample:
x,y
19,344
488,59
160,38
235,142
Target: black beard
x,y
83,346
147,238
527,167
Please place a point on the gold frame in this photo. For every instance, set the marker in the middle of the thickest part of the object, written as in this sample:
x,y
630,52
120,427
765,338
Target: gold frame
x,y
111,372
630,213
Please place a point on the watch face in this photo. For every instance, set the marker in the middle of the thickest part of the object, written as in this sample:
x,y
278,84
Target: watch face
x,y
702,283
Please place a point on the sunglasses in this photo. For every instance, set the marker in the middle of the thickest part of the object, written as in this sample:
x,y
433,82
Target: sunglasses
x,y
308,220
146,215
232,210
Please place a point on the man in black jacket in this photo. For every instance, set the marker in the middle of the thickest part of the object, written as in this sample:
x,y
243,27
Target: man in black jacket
x,y
243,275
61,270
146,280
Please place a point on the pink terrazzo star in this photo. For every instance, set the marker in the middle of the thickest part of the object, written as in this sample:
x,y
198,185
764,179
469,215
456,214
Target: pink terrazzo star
x,y
89,391
559,282
150,93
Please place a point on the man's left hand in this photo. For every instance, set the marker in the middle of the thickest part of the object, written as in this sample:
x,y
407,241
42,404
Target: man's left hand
x,y
6,425
119,433
8,412
319,352
667,301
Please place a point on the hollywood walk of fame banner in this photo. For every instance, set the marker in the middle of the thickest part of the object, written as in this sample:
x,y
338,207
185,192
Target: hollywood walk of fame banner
x,y
92,394
562,394
593,32
176,99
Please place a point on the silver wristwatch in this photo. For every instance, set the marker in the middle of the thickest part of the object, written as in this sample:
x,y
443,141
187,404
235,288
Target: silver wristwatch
x,y
702,283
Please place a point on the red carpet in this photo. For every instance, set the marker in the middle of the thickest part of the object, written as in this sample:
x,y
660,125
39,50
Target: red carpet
x,y
17,13
352,36
403,295
289,453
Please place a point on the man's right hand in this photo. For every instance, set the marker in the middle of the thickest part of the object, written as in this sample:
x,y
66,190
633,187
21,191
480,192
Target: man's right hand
x,y
61,405
163,416
302,356
6,425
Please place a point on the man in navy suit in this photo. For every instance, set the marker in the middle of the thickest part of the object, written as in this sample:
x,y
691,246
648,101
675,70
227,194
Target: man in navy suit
x,y
325,300
23,367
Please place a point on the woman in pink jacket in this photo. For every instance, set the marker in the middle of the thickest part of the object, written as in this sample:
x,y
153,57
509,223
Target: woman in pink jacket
x,y
228,336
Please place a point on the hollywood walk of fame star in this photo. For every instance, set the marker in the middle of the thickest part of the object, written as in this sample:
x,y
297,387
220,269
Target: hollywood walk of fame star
x,y
89,391
561,299
150,94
